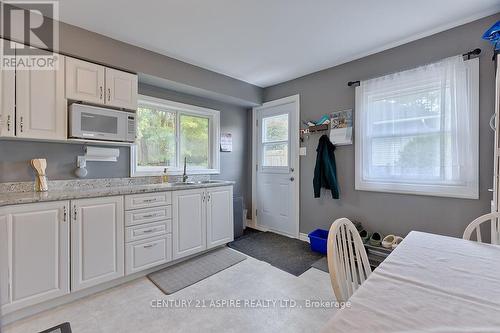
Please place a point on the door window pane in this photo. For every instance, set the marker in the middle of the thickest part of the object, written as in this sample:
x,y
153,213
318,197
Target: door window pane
x,y
275,155
156,144
275,128
194,132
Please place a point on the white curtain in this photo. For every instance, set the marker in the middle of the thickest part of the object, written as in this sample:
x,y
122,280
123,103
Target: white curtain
x,y
417,130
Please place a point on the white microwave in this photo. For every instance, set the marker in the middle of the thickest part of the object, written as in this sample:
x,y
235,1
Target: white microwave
x,y
97,123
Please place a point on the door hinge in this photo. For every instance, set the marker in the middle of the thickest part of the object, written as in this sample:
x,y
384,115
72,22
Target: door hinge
x,y
256,167
257,122
256,212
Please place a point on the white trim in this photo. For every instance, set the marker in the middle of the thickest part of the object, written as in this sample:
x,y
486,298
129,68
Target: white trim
x,y
180,109
303,237
467,191
294,159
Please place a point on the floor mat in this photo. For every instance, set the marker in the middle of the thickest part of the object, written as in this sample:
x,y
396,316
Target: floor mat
x,y
288,254
182,275
63,328
321,264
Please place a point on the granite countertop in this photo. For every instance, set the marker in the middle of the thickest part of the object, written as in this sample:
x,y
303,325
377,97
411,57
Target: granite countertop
x,y
16,198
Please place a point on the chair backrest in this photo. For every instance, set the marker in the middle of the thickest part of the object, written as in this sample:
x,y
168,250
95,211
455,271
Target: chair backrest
x,y
347,260
475,226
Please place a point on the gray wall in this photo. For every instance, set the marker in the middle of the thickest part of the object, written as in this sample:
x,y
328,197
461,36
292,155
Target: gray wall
x,y
61,157
327,91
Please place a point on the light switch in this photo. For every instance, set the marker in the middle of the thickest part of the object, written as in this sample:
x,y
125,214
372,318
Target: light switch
x,y
302,151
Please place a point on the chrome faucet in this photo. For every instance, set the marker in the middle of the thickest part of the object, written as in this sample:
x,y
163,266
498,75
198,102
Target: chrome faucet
x,y
184,175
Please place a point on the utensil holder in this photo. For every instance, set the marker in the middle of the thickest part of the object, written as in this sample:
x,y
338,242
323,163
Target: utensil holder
x,y
41,184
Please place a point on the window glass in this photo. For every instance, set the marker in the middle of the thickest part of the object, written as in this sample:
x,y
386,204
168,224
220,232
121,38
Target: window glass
x,y
194,141
275,128
156,137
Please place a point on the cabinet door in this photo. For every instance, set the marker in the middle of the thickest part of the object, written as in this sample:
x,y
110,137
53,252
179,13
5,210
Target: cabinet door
x,y
189,222
121,89
40,103
97,241
4,260
7,101
38,252
219,216
84,81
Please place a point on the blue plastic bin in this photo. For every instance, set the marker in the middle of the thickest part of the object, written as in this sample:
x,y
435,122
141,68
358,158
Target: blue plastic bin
x,y
318,239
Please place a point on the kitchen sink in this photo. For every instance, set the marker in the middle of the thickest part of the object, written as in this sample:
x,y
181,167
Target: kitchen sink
x,y
183,184
212,181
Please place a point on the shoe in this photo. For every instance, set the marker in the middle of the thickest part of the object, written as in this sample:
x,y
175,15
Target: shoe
x,y
365,236
375,239
397,241
358,225
388,241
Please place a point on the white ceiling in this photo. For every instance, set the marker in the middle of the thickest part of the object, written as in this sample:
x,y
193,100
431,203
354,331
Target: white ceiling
x,y
265,42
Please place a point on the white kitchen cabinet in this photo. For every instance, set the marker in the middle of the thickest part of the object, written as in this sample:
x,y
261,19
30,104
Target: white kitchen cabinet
x,y
4,261
37,238
97,241
189,222
92,83
219,216
121,89
84,81
7,101
148,253
40,103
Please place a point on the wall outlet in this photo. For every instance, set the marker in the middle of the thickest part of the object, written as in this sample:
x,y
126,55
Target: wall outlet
x,y
302,151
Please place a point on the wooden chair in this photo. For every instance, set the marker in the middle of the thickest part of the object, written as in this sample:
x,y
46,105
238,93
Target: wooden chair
x,y
476,226
347,259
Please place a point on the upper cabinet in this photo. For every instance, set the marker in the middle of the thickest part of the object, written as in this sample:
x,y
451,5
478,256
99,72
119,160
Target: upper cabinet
x,y
7,101
84,81
40,103
92,83
121,89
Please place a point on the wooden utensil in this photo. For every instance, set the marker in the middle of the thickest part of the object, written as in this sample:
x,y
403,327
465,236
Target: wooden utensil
x,y
40,165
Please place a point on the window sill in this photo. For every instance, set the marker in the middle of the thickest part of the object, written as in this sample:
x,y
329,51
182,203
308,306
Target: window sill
x,y
449,191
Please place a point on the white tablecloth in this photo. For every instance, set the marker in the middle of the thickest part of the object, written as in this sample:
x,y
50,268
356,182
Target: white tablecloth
x,y
430,283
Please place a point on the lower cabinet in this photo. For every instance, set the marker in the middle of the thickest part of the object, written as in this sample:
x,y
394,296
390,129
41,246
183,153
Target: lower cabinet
x,y
34,256
97,241
220,228
189,226
148,253
202,219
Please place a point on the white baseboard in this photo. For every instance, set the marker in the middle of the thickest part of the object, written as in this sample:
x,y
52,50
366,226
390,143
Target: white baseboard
x,y
304,237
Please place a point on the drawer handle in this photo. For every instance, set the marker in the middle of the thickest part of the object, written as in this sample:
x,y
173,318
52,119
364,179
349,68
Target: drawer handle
x,y
148,231
150,200
149,246
149,216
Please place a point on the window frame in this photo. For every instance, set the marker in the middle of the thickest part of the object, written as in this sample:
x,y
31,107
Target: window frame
x,y
467,190
181,109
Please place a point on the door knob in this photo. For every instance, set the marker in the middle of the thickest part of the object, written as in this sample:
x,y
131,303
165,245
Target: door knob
x,y
292,179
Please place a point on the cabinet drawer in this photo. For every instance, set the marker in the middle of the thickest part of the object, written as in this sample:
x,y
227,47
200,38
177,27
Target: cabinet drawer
x,y
147,200
148,215
146,254
148,230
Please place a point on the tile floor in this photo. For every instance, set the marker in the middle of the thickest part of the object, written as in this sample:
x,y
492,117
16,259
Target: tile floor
x,y
127,308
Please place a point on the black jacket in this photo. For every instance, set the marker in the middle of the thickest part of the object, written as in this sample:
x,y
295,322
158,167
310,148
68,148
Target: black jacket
x,y
325,172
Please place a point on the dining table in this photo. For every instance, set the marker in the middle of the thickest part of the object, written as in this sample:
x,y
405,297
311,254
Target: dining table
x,y
429,283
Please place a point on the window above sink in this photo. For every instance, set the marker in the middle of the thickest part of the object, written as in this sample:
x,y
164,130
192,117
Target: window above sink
x,y
168,131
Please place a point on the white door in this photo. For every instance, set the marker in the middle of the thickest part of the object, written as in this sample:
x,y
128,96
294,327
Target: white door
x,y
219,216
7,101
38,251
40,103
189,222
276,160
121,89
97,241
84,81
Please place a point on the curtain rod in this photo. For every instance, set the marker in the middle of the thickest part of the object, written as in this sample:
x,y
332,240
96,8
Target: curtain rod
x,y
467,56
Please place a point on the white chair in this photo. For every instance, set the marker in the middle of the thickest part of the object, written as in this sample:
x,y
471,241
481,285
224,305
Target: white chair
x,y
476,226
347,260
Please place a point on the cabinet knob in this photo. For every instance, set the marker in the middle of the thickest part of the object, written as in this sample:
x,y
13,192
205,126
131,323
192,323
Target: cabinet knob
x,y
8,123
101,89
109,94
21,124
